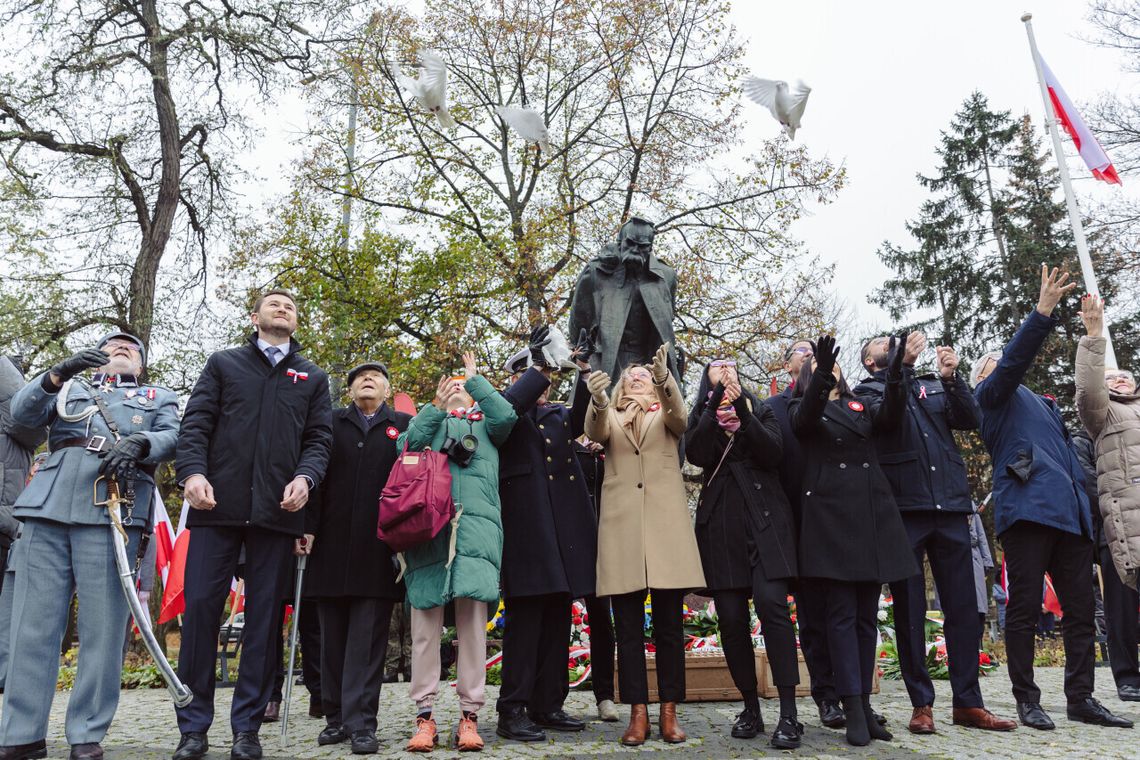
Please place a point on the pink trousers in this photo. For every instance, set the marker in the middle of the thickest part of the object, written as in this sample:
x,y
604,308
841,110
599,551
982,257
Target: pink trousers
x,y
471,629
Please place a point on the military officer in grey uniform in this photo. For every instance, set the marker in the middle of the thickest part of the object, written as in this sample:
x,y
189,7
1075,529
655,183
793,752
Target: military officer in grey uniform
x,y
108,425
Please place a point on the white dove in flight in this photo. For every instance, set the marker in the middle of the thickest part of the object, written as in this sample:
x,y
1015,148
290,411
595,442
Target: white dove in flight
x,y
431,88
528,123
786,105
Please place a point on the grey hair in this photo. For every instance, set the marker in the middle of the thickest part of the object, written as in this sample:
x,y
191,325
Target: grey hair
x,y
981,362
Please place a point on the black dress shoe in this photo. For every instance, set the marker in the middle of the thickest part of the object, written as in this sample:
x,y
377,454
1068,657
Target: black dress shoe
x,y
193,746
1088,710
830,714
86,751
748,724
31,751
332,735
557,721
1129,693
364,742
788,734
272,712
514,724
880,719
247,746
1033,716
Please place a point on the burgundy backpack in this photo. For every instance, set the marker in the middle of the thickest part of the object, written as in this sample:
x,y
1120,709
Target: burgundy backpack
x,y
416,502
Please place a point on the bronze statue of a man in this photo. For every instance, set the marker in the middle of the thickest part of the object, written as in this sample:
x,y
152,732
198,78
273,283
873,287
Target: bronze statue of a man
x,y
629,295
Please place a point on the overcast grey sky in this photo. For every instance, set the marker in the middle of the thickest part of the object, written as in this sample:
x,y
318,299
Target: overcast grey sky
x,y
886,78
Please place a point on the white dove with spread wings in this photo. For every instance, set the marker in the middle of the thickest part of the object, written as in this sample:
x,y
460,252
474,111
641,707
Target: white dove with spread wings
x,y
430,90
786,105
528,123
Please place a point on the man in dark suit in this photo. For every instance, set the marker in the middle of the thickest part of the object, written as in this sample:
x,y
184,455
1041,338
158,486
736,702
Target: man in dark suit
x,y
810,614
928,478
255,440
549,545
1041,516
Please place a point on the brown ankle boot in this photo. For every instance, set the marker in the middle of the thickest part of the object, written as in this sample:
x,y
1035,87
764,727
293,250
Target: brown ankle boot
x,y
670,729
638,730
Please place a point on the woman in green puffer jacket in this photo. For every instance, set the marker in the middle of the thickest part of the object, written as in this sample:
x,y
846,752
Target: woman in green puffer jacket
x,y
461,564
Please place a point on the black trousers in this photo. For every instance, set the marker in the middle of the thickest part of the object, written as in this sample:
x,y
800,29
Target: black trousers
x,y
536,637
1031,550
308,644
944,537
210,566
1120,610
668,637
354,641
852,631
811,614
602,646
770,598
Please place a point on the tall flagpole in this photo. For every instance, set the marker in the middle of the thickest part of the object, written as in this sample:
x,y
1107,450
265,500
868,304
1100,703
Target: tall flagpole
x,y
1066,183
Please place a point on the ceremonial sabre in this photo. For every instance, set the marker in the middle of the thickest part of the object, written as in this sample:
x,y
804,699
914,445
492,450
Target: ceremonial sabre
x,y
178,691
302,560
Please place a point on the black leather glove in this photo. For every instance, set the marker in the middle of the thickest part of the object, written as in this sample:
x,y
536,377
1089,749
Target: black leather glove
x,y
587,344
539,337
88,358
123,458
896,350
826,352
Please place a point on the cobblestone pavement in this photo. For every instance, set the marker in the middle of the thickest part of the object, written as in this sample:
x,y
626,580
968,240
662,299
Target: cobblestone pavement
x,y
145,728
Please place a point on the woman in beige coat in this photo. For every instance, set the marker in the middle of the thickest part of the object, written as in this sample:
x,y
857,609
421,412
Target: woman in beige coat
x,y
1109,408
645,538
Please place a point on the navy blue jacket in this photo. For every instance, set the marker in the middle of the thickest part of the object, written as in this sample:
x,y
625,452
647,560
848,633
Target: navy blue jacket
x,y
920,457
550,529
1037,477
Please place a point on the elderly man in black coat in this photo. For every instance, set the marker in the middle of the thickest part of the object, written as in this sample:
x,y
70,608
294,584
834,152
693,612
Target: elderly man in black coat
x,y
255,440
549,545
928,478
351,571
629,295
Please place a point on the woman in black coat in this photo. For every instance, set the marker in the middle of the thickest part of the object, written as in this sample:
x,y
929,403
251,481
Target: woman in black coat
x,y
351,572
853,539
746,539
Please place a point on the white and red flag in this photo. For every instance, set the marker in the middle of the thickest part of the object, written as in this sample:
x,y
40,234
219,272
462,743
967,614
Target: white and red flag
x,y
171,560
1093,155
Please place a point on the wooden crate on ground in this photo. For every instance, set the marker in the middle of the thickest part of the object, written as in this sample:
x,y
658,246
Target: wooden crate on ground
x,y
707,678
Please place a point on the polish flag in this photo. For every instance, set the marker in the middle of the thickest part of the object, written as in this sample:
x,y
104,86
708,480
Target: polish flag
x,y
171,561
1093,155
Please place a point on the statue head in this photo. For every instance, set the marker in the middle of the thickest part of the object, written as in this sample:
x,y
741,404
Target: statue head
x,y
635,239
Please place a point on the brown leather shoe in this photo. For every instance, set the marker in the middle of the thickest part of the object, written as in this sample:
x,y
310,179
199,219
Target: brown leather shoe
x,y
980,717
638,730
922,720
272,712
670,729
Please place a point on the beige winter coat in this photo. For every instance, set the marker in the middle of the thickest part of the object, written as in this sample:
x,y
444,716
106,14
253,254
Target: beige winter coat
x,y
645,536
1113,422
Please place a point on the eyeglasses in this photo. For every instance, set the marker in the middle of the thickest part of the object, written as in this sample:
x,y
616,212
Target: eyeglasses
x,y
722,363
1110,376
638,374
113,344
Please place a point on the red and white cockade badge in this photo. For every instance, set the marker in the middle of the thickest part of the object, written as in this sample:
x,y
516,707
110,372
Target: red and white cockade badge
x,y
474,416
654,406
854,406
392,432
296,375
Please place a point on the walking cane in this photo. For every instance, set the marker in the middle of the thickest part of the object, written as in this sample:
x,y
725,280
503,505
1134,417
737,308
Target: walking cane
x,y
301,562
